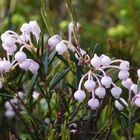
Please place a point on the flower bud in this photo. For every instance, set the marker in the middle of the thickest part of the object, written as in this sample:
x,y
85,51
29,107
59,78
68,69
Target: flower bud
x,y
106,61
20,94
128,83
96,61
53,41
138,73
134,88
124,66
119,106
8,106
23,38
79,95
47,121
9,41
93,103
14,101
35,95
4,36
25,65
5,66
20,56
123,75
100,92
106,81
116,92
0,84
25,28
35,29
34,67
70,29
9,50
10,114
61,48
90,85
135,97
137,102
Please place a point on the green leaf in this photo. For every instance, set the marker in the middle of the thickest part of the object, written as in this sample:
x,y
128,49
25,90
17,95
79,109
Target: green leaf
x,y
45,12
45,62
62,59
124,120
65,134
137,131
138,83
104,116
52,134
30,90
25,137
27,118
6,95
57,78
51,57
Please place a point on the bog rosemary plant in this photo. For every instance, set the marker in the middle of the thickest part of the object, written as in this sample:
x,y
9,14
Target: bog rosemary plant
x,y
56,90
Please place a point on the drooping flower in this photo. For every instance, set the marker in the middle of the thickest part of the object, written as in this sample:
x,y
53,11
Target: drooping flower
x,y
93,103
96,61
35,29
61,48
53,41
116,92
79,95
120,106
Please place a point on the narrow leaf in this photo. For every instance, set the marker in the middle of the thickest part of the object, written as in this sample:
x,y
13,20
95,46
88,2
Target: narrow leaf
x,y
57,78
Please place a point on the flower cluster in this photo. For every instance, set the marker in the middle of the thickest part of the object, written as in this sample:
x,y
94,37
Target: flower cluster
x,y
17,57
18,103
61,46
14,103
98,83
96,80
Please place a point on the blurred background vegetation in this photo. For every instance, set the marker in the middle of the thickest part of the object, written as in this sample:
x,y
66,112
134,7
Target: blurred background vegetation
x,y
107,26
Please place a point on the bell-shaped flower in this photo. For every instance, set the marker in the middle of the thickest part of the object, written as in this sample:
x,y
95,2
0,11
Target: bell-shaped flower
x,y
5,66
134,88
106,61
100,92
119,105
96,61
93,103
20,56
90,85
9,50
61,48
124,66
123,75
9,41
53,41
25,65
79,95
25,28
116,92
127,84
106,81
34,67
